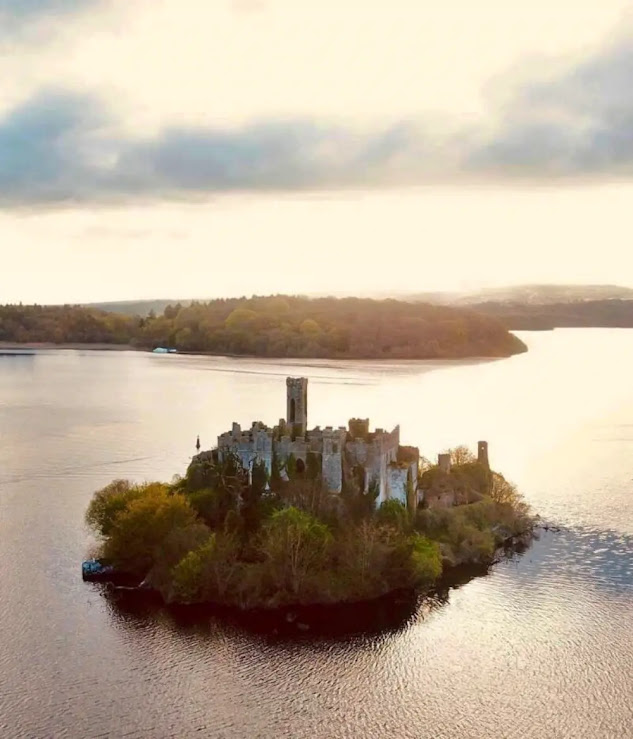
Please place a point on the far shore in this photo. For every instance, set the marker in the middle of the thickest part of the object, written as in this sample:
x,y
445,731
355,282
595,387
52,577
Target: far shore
x,y
50,345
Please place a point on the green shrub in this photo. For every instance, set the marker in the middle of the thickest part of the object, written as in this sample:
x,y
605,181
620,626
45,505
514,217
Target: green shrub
x,y
139,531
108,503
393,513
426,562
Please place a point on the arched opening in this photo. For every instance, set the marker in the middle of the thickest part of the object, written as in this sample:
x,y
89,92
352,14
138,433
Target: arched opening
x,y
301,467
292,418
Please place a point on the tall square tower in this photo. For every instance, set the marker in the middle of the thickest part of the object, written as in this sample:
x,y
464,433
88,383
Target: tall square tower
x,y
297,405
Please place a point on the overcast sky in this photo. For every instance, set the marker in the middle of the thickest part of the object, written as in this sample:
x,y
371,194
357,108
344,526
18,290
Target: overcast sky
x,y
190,148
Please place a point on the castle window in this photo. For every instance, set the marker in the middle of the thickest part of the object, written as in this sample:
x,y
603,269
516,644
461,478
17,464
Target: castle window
x,y
292,410
335,448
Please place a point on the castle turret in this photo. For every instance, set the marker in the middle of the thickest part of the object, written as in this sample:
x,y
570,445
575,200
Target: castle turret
x,y
482,454
297,405
359,428
444,462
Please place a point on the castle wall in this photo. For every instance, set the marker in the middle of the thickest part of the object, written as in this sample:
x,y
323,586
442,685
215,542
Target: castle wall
x,y
398,477
374,456
377,455
397,483
333,472
255,444
333,442
385,450
298,448
340,450
357,452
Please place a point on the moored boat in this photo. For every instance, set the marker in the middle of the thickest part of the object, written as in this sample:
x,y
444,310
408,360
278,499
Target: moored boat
x,y
95,569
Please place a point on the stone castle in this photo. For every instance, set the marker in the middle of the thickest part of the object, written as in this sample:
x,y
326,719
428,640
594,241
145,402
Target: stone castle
x,y
372,459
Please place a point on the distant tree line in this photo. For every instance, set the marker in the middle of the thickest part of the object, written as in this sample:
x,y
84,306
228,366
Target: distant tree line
x,y
66,324
516,316
275,326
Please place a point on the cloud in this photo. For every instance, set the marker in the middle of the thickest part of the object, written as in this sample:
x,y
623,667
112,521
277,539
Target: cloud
x,y
50,150
32,22
576,124
29,8
286,154
61,147
29,24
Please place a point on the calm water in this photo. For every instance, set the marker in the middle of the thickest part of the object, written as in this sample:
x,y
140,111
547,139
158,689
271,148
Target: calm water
x,y
541,647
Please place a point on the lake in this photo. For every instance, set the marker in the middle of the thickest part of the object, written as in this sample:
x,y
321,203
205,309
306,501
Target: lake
x,y
540,647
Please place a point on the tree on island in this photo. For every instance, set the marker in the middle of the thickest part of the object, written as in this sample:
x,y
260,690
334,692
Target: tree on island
x,y
214,535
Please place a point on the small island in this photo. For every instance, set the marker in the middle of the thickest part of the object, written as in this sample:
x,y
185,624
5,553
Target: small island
x,y
288,516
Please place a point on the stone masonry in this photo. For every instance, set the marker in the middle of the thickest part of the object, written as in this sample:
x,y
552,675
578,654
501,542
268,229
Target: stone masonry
x,y
372,459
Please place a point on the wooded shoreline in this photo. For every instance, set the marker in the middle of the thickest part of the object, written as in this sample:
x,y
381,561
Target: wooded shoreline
x,y
218,536
272,326
389,611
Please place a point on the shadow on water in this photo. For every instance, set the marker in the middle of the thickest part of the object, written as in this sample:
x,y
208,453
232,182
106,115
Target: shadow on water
x,y
389,614
603,559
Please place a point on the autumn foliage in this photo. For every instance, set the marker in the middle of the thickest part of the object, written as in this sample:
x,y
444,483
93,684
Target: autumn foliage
x,y
217,536
275,326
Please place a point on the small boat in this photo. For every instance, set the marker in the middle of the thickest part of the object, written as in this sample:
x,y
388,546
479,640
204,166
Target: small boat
x,y
164,350
95,569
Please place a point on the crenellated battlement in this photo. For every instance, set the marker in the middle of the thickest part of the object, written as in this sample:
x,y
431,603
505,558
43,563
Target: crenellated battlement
x,y
339,450
345,454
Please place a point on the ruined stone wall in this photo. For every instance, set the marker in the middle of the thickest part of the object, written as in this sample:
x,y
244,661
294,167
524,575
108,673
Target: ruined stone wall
x,y
249,446
333,472
333,442
357,452
398,478
397,483
384,451
299,448
388,442
374,456
340,451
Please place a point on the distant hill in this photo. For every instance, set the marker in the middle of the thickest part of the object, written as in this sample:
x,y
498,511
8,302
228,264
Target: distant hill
x,y
136,307
541,307
612,313
527,294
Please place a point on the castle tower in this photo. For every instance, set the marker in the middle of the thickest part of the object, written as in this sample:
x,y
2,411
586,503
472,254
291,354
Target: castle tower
x,y
444,462
482,454
297,405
